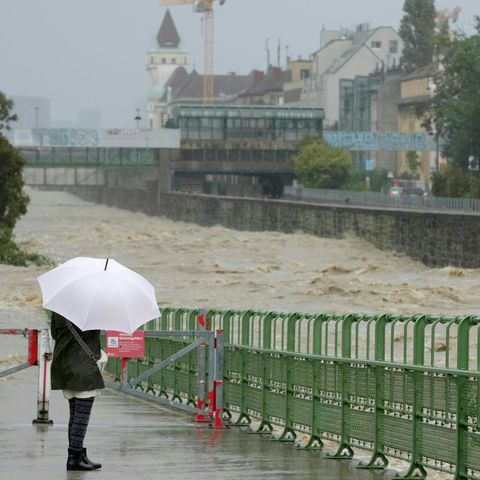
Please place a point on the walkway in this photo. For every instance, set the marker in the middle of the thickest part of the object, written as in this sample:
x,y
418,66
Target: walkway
x,y
135,439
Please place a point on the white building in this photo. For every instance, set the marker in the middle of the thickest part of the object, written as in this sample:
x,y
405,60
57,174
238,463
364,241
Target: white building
x,y
164,56
350,55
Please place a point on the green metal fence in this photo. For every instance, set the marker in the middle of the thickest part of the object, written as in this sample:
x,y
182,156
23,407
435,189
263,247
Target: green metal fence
x,y
400,386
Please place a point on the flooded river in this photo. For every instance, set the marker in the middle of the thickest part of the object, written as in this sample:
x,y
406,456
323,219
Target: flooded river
x,y
213,267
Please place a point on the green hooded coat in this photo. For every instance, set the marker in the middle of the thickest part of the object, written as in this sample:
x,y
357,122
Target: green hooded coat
x,y
72,368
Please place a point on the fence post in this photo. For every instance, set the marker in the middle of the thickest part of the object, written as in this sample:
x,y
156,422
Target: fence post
x,y
416,469
218,384
288,434
201,418
33,347
379,459
211,375
462,398
345,450
44,359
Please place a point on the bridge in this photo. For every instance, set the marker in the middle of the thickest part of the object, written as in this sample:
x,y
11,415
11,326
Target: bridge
x,y
256,148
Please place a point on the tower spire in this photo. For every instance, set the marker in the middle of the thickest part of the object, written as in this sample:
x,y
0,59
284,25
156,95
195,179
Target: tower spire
x,y
168,35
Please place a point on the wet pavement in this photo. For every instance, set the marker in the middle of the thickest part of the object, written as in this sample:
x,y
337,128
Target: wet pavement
x,y
137,439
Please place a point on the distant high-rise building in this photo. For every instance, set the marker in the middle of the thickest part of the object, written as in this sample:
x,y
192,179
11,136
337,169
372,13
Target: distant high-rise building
x,y
32,112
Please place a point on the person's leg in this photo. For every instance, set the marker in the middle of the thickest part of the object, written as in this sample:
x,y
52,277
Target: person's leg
x,y
76,453
71,404
83,408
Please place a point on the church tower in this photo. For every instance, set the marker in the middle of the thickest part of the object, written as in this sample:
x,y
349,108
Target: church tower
x,y
164,56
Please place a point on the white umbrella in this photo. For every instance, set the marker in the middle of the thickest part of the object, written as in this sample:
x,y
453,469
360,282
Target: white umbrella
x,y
96,293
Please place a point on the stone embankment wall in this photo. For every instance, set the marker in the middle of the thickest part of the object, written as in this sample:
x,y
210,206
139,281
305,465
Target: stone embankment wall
x,y
435,238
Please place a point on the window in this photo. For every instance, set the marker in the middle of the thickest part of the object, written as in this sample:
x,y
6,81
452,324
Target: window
x,y
164,60
376,45
304,73
174,60
393,46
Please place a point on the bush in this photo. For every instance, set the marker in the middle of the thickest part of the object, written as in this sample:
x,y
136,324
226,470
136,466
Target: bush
x,y
318,165
11,254
379,181
454,182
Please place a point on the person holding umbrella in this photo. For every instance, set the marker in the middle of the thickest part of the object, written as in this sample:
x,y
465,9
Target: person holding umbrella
x,y
77,374
93,294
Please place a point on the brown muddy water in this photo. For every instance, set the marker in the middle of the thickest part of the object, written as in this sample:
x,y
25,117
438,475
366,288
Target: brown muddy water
x,y
214,267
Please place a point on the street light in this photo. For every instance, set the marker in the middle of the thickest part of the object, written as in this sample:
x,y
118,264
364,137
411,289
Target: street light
x,y
36,117
138,118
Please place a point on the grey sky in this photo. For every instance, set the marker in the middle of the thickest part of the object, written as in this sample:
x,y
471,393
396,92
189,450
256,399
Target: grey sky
x,y
91,54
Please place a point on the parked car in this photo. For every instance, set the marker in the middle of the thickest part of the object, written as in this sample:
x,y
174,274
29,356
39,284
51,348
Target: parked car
x,y
395,192
414,192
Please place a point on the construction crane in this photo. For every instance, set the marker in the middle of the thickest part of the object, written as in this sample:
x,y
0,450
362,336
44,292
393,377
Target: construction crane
x,y
205,7
444,17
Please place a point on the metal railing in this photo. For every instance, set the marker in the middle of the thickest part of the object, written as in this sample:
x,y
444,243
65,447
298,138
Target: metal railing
x,y
403,387
89,157
374,199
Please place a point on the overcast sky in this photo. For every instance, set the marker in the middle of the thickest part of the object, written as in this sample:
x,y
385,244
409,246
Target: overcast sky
x,y
91,54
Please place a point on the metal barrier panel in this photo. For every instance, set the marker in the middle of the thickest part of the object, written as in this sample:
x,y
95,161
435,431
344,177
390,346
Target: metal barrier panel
x,y
400,386
174,370
177,381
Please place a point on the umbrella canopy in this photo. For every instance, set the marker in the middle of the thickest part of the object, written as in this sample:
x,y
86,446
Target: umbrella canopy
x,y
99,294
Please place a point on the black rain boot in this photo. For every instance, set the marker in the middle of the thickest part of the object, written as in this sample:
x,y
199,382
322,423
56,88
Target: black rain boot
x,y
87,460
76,461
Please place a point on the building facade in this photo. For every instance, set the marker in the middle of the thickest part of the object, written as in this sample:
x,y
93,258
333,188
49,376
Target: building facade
x,y
164,56
297,72
415,91
351,55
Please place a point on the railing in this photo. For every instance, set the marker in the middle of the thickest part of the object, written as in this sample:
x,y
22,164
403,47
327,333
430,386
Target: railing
x,y
88,157
403,387
374,199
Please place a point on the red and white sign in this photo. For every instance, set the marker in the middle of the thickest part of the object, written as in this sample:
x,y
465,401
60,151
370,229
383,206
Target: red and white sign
x,y
124,345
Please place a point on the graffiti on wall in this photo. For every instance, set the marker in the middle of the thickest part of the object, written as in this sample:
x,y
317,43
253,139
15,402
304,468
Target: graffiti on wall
x,y
381,141
91,138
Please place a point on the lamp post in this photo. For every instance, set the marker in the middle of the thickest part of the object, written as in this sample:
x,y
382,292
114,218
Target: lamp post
x,y
36,117
138,118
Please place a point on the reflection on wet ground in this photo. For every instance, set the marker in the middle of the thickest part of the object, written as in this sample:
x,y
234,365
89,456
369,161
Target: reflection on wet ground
x,y
135,439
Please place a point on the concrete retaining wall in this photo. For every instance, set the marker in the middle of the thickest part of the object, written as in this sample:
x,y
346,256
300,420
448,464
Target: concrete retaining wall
x,y
437,239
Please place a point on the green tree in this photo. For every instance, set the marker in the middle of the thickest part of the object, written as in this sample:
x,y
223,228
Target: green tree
x,y
318,165
417,30
455,107
6,115
13,200
413,161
